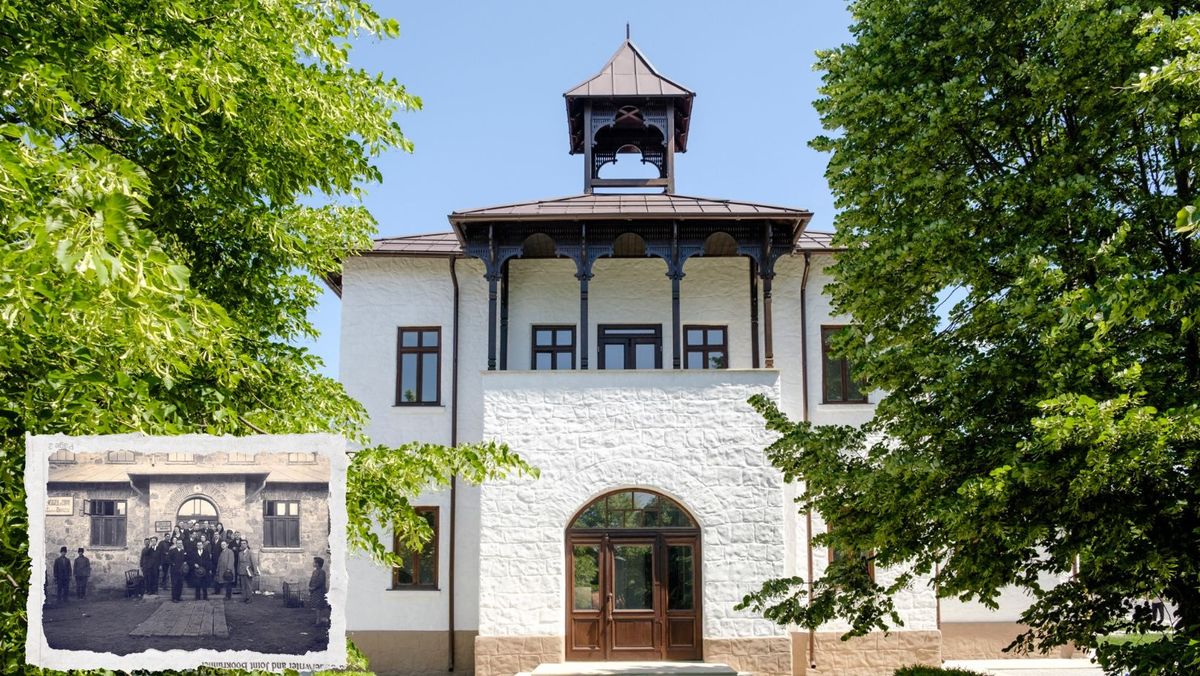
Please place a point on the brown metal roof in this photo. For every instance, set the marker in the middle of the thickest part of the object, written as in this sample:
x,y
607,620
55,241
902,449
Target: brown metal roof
x,y
629,206
446,244
628,73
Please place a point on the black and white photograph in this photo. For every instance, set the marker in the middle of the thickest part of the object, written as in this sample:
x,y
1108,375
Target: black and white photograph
x,y
221,545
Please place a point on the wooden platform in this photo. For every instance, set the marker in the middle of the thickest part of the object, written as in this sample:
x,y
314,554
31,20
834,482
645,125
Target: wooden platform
x,y
633,669
186,618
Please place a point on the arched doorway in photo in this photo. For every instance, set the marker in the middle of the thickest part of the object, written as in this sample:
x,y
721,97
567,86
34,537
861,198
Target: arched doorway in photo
x,y
633,579
199,509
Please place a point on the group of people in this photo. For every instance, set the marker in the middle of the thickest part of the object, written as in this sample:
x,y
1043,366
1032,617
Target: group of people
x,y
65,569
202,555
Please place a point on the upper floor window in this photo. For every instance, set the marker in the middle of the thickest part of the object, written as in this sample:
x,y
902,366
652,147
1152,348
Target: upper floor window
x,y
241,458
553,348
281,523
706,347
107,522
123,457
630,346
62,455
837,381
302,458
419,569
418,366
181,457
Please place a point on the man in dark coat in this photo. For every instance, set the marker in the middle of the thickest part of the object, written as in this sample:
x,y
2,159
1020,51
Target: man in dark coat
x,y
178,563
198,563
62,575
164,559
149,565
83,570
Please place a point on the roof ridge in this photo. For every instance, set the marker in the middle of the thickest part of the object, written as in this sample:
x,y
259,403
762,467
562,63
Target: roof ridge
x,y
412,236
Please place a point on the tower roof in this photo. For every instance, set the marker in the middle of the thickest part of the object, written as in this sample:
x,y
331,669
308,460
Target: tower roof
x,y
628,76
628,73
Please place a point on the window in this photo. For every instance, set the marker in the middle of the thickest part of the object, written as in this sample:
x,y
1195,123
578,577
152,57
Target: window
x,y
62,455
122,457
418,366
281,523
302,458
241,458
420,569
705,347
181,457
553,348
200,510
837,382
630,346
108,522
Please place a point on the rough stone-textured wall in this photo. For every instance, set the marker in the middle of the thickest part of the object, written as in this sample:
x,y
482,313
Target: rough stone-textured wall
x,y
688,434
279,565
108,563
875,654
770,656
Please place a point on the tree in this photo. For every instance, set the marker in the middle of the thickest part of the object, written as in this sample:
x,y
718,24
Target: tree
x,y
159,244
1025,304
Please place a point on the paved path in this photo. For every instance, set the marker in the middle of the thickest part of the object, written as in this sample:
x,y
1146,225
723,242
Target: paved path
x,y
186,618
1030,667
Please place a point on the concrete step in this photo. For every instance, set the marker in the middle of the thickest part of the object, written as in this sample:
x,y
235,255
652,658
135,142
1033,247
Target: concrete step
x,y
632,669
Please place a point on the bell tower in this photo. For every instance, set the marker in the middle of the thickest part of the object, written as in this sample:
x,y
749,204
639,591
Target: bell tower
x,y
628,108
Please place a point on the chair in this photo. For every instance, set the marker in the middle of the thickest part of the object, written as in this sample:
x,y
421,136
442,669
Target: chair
x,y
135,584
291,595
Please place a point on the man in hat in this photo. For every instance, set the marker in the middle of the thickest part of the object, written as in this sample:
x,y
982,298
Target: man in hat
x,y
62,575
178,562
149,565
83,570
318,586
164,560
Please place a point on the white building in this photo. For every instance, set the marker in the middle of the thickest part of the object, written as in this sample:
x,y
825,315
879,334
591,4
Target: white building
x,y
612,340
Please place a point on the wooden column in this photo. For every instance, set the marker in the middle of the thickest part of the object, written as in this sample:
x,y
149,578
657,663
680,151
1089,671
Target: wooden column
x,y
768,338
504,316
584,275
493,281
675,272
753,313
493,277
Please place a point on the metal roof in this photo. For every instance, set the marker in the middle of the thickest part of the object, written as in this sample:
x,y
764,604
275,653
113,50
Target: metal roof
x,y
629,206
628,73
122,474
446,244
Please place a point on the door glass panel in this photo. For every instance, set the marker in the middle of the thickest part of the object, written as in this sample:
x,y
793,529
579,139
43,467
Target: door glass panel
x,y
681,573
587,577
633,579
644,354
614,356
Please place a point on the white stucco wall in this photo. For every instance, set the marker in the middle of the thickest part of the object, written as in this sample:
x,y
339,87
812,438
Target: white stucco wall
x,y
690,435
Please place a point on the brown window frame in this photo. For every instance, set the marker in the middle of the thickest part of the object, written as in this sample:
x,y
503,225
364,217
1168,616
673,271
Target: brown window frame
x,y
553,350
419,350
120,515
705,348
400,550
846,379
602,340
868,558
268,532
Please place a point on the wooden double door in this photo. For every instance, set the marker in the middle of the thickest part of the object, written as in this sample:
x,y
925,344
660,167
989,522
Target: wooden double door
x,y
633,596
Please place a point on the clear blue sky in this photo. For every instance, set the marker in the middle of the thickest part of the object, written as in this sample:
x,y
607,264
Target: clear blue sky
x,y
493,128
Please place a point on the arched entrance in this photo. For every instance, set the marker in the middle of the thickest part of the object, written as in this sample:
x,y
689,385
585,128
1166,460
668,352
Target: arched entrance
x,y
199,509
633,579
